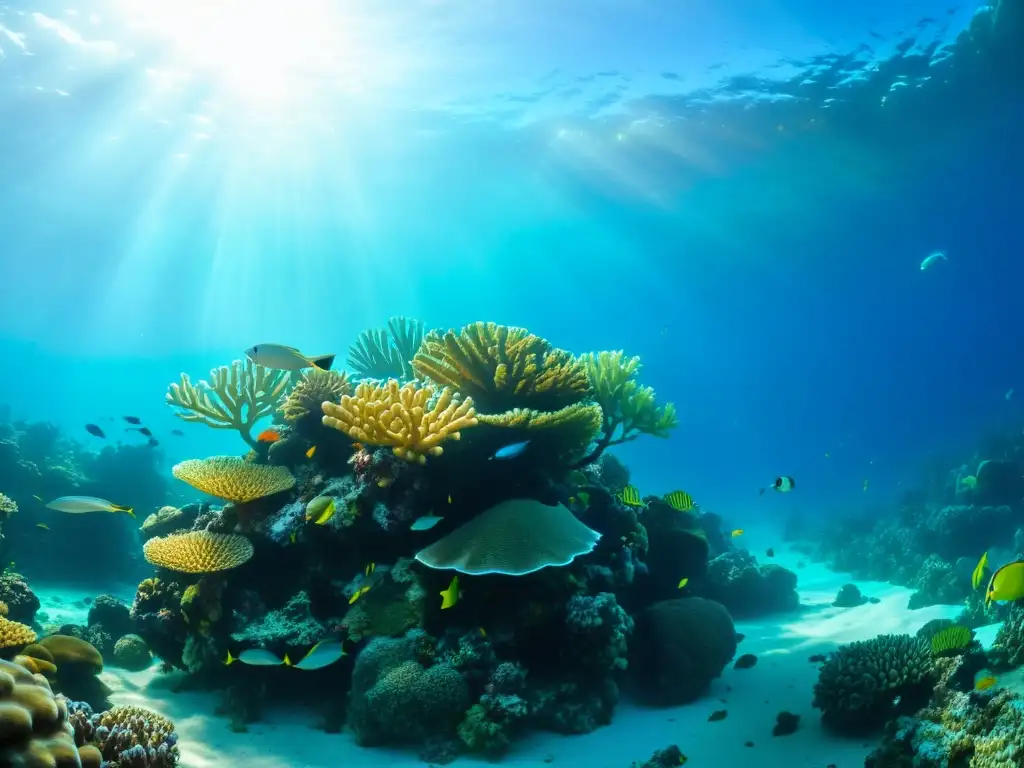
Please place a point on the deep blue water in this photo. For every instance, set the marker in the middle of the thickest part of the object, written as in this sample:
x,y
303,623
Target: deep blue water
x,y
741,193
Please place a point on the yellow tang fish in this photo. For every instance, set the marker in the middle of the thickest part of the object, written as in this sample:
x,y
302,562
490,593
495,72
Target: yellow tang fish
x,y
985,683
979,572
320,510
680,501
450,596
630,496
1007,583
310,452
683,582
358,593
737,532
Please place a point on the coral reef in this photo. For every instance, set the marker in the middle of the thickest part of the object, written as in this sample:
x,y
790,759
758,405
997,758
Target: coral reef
x,y
233,479
19,598
126,737
735,580
387,353
132,653
198,551
34,728
316,387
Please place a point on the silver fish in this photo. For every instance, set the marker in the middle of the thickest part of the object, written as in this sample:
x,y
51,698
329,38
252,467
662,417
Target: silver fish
x,y
257,657
321,655
77,505
425,523
282,358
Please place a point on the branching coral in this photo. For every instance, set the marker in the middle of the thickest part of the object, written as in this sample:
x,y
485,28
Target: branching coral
x,y
234,479
629,409
401,417
236,397
503,368
387,354
315,387
198,551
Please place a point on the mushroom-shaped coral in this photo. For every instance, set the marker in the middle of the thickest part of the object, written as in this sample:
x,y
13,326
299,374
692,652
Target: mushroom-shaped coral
x,y
315,387
502,368
14,636
858,684
34,727
236,397
198,551
514,538
565,433
401,417
234,479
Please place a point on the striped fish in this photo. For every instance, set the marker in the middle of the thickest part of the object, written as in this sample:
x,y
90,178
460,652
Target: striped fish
x,y
630,496
680,501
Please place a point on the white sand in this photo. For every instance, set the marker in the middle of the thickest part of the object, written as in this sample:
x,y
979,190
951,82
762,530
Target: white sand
x,y
783,679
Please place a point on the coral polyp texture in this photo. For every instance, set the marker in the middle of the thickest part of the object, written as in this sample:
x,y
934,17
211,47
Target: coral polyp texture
x,y
502,367
34,729
14,635
234,479
315,387
235,397
126,736
401,417
198,551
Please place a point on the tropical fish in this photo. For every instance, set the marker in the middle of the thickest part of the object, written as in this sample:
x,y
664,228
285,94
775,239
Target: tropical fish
x,y
358,593
310,452
782,484
384,482
737,532
932,259
177,433
38,498
1007,583
320,510
970,482
370,568
77,505
865,485
630,496
770,552
978,576
583,497
44,526
153,442
985,683
425,523
282,358
746,661
321,655
94,430
683,582
718,714
511,451
450,596
683,759
268,436
483,632
257,657
680,501
132,419
141,430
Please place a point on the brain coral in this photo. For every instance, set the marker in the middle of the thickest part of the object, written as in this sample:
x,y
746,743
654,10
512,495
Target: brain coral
x,y
14,634
234,479
34,728
198,551
858,685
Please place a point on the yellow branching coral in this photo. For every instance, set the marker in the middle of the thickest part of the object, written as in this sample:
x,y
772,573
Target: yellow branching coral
x,y
401,417
236,397
198,551
315,387
630,410
234,479
15,635
502,368
566,433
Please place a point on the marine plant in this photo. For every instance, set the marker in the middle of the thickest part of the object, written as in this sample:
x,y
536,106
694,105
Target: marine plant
x,y
951,641
236,397
381,353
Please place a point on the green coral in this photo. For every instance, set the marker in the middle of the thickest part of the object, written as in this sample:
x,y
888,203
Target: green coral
x,y
132,653
951,641
387,353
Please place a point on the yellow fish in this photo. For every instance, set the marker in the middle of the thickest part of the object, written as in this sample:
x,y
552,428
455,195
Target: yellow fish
x,y
450,596
630,496
1007,583
680,501
449,498
320,510
979,572
683,582
985,683
44,526
483,632
370,568
970,482
384,482
310,452
737,532
584,498
293,536
358,593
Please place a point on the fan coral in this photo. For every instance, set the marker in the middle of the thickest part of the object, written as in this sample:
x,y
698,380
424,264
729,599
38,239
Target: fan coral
x,y
565,433
400,417
198,551
33,723
316,386
234,479
951,641
387,354
126,736
502,368
132,653
14,635
238,397
858,684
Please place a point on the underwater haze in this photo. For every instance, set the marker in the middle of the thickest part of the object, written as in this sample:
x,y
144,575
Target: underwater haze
x,y
742,193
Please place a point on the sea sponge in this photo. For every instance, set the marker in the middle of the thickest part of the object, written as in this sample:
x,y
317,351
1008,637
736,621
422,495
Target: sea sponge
x,y
858,684
236,397
234,479
401,417
34,730
565,433
316,386
132,653
14,636
386,353
679,646
8,506
513,538
502,368
198,551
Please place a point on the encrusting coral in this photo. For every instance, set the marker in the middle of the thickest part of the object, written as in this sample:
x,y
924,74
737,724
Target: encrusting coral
x,y
401,418
315,387
236,397
502,367
198,551
387,353
234,479
34,728
14,636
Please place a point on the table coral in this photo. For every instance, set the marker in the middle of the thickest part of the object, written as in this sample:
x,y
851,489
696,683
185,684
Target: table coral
x,y
234,479
198,551
401,418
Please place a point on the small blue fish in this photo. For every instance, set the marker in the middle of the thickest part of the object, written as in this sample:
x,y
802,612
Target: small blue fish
x,y
511,451
425,523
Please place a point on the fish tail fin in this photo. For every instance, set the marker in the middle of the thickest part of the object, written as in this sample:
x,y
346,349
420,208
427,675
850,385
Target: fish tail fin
x,y
323,362
127,510
230,658
287,662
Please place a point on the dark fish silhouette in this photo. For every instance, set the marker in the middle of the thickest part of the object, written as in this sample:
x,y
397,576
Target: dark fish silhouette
x,y
153,442
770,552
94,430
746,661
141,430
132,419
177,433
718,714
